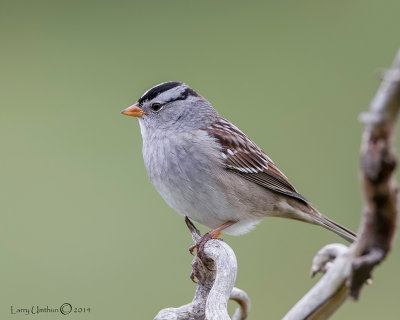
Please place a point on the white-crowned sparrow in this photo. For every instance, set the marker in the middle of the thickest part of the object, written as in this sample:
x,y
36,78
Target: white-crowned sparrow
x,y
208,170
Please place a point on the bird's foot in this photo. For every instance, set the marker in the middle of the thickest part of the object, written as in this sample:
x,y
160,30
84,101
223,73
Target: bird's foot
x,y
202,261
199,246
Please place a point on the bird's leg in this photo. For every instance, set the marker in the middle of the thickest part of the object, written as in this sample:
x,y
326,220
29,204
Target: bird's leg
x,y
212,234
200,243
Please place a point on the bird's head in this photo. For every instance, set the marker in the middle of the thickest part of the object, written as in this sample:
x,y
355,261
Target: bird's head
x,y
171,106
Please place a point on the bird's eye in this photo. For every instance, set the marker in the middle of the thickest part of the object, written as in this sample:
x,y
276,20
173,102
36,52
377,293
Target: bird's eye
x,y
156,106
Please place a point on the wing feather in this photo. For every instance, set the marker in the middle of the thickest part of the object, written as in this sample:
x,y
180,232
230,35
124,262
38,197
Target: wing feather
x,y
244,158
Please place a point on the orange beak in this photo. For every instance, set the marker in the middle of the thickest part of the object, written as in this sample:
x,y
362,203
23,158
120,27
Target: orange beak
x,y
134,111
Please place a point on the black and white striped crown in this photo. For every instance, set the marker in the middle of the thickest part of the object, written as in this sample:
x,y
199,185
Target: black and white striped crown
x,y
178,91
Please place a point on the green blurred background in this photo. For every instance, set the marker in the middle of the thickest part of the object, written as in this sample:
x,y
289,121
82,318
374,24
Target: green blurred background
x,y
80,220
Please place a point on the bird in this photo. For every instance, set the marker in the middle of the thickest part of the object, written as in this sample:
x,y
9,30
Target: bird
x,y
208,170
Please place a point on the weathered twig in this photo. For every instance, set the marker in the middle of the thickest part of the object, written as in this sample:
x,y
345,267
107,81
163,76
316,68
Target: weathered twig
x,y
331,286
378,162
215,285
353,266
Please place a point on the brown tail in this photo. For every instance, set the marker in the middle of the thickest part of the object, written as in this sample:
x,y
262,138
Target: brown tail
x,y
335,227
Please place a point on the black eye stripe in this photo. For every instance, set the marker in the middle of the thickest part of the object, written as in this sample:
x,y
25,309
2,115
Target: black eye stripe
x,y
187,92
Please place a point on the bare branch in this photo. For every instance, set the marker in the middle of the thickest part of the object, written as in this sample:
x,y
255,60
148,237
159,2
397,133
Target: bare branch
x,y
378,162
243,300
353,266
215,285
324,257
330,292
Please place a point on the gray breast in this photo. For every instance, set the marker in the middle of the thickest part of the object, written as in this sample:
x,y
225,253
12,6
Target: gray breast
x,y
183,170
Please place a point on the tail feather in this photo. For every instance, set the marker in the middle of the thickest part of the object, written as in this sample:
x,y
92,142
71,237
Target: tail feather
x,y
335,227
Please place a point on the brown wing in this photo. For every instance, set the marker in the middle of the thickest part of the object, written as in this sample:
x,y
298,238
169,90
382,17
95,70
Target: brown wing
x,y
244,158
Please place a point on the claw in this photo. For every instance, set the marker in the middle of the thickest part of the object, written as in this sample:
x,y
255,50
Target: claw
x,y
191,249
199,246
192,276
